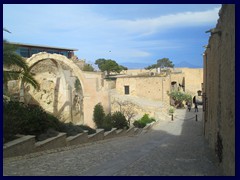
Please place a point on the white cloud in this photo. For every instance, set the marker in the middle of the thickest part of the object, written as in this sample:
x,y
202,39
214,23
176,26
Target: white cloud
x,y
81,22
158,24
139,54
82,27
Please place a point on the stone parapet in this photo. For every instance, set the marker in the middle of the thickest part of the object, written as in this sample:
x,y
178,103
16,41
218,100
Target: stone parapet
x,y
20,146
51,143
99,135
110,134
78,139
26,144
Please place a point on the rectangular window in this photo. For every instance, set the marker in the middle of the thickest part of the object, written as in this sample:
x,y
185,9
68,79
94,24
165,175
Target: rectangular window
x,y
34,51
126,89
24,52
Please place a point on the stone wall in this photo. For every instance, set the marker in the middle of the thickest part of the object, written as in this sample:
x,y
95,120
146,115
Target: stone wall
x,y
134,72
25,145
151,87
193,79
58,94
219,89
137,106
156,87
57,91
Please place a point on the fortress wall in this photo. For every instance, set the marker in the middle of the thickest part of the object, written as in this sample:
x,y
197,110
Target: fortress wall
x,y
219,87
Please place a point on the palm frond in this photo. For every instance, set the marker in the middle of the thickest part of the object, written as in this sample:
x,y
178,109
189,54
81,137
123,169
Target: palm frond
x,y
27,77
4,29
11,58
15,67
9,75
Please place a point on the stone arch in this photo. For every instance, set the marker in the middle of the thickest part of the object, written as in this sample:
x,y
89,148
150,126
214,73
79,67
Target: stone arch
x,y
36,58
56,58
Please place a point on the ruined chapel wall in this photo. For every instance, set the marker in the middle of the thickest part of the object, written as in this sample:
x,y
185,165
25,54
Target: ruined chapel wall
x,y
59,85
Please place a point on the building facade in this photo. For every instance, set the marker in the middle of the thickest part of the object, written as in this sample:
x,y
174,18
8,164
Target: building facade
x,y
27,50
149,92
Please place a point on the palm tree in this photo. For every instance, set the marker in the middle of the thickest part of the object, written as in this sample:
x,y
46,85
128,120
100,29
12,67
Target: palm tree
x,y
15,67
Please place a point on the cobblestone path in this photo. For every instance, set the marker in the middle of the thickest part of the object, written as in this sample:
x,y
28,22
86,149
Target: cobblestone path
x,y
170,148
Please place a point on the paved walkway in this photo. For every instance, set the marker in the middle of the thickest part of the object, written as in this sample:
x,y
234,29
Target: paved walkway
x,y
171,148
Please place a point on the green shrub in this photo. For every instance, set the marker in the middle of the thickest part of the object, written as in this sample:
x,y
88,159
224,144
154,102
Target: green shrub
x,y
88,67
146,119
50,133
98,115
32,120
10,119
171,110
26,119
179,97
119,121
107,123
90,130
141,123
70,129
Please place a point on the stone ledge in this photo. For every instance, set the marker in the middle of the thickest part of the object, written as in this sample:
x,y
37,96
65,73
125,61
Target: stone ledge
x,y
121,132
78,139
110,134
51,143
131,131
26,145
99,135
20,146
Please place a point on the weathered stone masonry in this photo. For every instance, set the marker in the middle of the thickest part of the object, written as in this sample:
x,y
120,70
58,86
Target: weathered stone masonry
x,y
219,89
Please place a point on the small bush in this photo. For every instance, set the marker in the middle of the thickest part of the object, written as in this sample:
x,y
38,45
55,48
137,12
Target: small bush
x,y
26,119
50,133
98,115
70,129
146,119
107,123
33,120
141,123
179,97
88,67
119,121
90,130
171,110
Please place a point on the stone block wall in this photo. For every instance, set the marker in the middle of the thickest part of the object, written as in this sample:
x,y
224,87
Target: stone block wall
x,y
151,87
19,146
219,88
58,94
193,79
26,144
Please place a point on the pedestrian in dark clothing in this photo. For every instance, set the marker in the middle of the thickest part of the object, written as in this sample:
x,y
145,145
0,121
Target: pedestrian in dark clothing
x,y
196,107
189,106
194,100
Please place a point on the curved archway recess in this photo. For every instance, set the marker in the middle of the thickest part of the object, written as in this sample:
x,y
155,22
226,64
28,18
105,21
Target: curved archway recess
x,y
36,58
56,58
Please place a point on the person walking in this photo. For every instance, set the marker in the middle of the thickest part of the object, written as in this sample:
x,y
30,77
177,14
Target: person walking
x,y
196,107
189,106
194,100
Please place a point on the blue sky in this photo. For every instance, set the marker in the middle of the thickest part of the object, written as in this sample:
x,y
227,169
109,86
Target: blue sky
x,y
133,35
